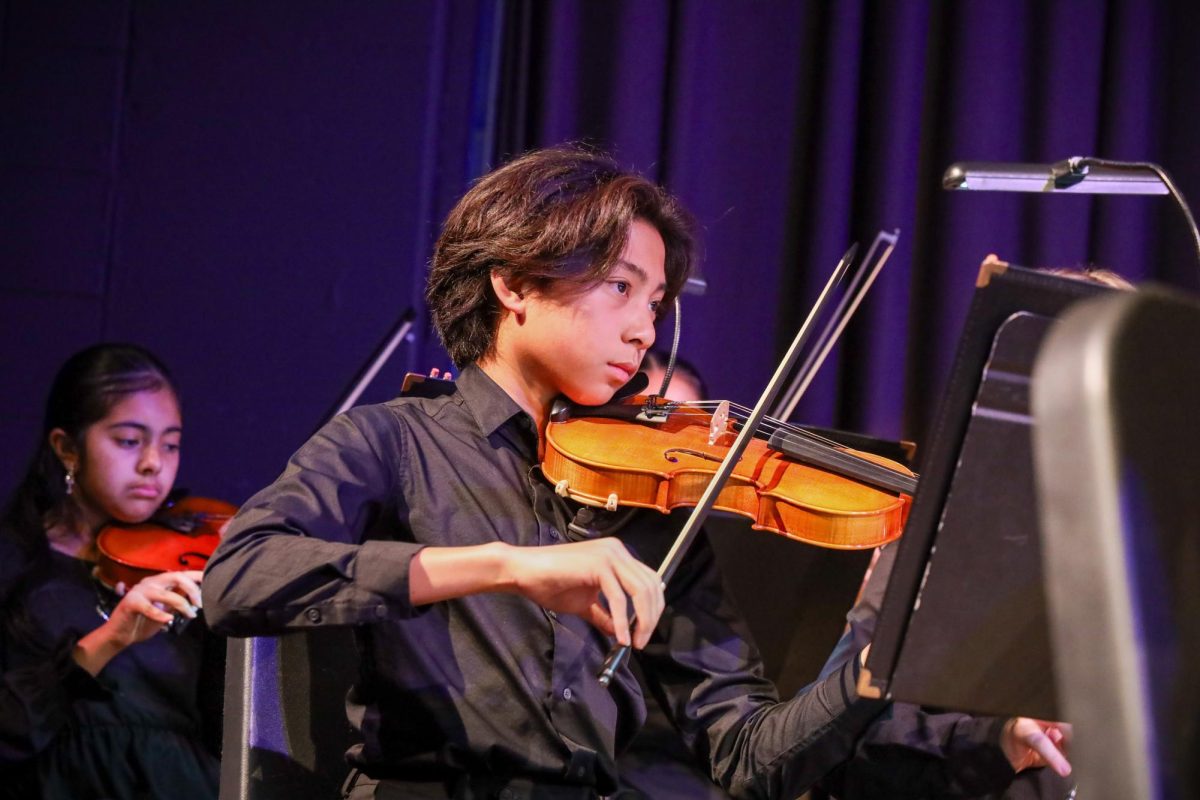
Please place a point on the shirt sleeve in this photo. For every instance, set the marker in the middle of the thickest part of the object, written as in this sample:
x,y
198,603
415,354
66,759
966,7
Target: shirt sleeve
x,y
36,700
302,552
908,752
711,676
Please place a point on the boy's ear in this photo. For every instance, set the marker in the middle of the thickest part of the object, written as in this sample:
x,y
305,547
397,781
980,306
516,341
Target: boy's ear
x,y
64,447
511,299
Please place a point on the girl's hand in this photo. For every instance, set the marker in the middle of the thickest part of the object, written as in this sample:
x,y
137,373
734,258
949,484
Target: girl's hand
x,y
143,611
149,606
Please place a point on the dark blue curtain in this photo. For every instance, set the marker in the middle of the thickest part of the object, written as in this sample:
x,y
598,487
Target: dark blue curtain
x,y
252,189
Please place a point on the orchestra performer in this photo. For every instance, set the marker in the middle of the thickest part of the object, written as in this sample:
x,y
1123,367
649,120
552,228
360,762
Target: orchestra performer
x,y
483,603
98,701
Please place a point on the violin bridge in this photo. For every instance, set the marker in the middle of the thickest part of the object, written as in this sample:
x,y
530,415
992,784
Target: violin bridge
x,y
716,428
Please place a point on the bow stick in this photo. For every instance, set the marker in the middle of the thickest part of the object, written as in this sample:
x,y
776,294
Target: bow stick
x,y
691,528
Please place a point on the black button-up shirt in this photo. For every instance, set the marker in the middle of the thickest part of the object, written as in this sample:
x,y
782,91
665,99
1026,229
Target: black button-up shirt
x,y
493,684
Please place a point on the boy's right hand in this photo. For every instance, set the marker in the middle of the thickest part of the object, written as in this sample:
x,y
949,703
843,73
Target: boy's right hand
x,y
590,579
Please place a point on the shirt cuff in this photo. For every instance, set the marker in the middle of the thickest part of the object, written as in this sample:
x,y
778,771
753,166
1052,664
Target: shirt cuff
x,y
381,570
982,765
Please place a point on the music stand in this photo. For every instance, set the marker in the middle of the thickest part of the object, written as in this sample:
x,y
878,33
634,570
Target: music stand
x,y
963,622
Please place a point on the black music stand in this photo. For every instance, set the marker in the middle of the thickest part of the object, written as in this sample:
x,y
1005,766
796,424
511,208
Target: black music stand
x,y
963,622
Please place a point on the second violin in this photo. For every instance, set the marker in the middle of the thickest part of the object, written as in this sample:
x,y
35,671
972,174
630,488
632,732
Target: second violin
x,y
181,536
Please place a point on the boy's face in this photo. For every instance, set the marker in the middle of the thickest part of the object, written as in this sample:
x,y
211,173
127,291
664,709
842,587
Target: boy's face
x,y
588,344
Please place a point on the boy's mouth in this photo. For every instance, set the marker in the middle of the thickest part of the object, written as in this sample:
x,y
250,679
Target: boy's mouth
x,y
624,369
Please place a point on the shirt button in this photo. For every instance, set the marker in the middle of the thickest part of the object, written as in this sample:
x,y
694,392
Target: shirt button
x,y
554,534
567,693
380,611
313,615
552,614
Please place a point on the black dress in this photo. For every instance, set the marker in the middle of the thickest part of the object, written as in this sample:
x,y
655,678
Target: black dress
x,y
147,726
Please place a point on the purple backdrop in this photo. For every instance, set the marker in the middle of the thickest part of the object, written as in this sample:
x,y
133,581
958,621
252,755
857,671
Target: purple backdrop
x,y
251,189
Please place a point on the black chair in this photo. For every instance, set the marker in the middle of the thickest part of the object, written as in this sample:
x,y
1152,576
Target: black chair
x,y
1116,401
285,728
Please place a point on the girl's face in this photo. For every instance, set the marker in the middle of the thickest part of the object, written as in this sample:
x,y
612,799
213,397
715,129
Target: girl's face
x,y
129,459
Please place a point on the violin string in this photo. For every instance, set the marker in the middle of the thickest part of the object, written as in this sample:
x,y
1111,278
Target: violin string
x,y
738,412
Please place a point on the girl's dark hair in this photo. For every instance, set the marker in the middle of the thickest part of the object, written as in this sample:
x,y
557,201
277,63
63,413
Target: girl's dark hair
x,y
86,388
550,219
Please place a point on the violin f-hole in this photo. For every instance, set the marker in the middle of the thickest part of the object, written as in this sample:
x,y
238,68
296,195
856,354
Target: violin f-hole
x,y
669,454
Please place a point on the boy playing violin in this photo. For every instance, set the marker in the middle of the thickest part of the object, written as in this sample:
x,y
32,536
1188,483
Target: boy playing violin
x,y
483,602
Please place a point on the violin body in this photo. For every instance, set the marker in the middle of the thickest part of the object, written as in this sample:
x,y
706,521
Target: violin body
x,y
602,461
181,536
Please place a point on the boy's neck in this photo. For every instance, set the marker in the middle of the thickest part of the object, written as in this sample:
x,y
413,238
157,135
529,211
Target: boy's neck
x,y
526,392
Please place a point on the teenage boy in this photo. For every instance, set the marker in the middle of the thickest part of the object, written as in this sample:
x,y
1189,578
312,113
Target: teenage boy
x,y
483,603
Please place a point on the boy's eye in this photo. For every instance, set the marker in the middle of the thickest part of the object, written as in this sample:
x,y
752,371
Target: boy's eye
x,y
621,286
655,305
172,447
123,442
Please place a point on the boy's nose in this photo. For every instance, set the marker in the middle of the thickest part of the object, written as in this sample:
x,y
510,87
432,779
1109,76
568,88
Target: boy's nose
x,y
641,330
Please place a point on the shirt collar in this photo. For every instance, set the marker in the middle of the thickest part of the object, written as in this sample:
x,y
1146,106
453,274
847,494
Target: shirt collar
x,y
487,402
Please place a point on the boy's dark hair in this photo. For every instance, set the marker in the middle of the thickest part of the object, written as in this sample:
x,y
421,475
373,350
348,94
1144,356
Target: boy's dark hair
x,y
549,220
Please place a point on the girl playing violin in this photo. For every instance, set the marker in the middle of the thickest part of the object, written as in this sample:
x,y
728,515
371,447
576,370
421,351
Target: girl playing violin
x,y
97,701
483,602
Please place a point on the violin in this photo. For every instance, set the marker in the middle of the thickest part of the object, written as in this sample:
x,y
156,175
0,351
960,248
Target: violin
x,y
651,453
182,535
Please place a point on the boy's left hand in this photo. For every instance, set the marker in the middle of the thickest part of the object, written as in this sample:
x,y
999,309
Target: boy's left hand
x,y
1032,743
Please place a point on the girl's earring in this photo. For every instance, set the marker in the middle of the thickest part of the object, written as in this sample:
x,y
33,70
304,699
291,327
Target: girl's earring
x,y
69,480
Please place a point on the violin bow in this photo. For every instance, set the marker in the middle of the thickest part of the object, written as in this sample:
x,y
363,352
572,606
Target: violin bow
x,y
837,323
375,363
858,288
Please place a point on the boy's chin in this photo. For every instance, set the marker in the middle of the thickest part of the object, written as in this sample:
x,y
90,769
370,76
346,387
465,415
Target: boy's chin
x,y
590,395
